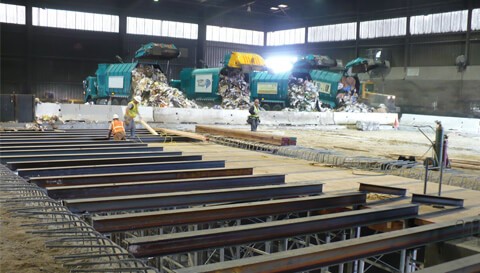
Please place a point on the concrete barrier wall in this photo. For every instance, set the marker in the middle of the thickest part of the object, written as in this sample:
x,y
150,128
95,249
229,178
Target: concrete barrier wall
x,y
345,118
102,113
239,117
469,125
199,116
87,112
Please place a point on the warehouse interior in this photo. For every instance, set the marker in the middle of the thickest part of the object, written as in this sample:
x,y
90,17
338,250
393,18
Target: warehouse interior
x,y
196,136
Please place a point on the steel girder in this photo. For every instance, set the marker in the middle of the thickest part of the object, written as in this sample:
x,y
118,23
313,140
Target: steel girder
x,y
6,159
123,222
70,180
105,190
190,198
162,157
116,144
24,152
314,257
238,235
121,168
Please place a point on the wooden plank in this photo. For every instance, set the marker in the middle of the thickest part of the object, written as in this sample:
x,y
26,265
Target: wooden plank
x,y
153,132
183,134
247,135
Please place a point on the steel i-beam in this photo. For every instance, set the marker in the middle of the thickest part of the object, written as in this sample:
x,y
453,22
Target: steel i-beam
x,y
238,235
314,257
70,180
176,199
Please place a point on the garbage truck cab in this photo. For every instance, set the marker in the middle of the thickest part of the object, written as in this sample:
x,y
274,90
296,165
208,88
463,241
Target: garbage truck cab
x,y
112,83
201,84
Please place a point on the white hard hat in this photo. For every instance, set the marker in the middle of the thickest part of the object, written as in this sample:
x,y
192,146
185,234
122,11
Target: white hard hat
x,y
138,99
115,116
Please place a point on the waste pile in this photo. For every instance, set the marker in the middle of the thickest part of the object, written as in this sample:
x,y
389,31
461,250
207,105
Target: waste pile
x,y
234,91
303,95
152,85
350,103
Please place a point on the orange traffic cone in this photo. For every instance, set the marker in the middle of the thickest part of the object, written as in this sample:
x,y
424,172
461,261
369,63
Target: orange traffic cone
x,y
396,124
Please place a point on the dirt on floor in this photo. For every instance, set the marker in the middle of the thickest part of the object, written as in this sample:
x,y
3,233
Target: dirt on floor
x,y
22,252
383,143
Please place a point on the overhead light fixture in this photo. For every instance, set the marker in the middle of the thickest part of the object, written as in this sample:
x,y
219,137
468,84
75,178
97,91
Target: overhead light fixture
x,y
274,8
249,9
282,6
155,0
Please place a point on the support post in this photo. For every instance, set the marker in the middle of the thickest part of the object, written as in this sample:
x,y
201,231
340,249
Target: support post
x,y
426,178
413,261
439,147
328,239
341,266
202,37
403,256
361,266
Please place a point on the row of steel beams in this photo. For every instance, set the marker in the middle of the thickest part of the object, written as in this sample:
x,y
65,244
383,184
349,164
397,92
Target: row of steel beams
x,y
67,131
132,188
89,132
175,199
52,181
6,159
18,142
64,136
239,235
93,175
6,141
35,140
130,221
96,144
56,136
55,143
121,168
314,257
161,157
27,152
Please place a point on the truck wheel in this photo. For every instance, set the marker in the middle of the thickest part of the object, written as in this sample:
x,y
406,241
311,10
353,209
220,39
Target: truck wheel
x,y
277,107
124,102
115,102
266,107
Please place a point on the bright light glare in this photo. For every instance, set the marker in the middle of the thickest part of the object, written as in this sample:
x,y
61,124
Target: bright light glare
x,y
280,63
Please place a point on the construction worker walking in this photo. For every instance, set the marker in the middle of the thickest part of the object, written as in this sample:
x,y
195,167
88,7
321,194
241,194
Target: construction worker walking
x,y
254,118
131,112
117,129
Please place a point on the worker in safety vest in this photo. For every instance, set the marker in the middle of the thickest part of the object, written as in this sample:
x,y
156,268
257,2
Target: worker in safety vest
x,y
131,112
254,118
116,128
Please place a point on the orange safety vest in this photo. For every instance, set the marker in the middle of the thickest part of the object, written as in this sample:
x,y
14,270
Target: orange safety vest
x,y
117,126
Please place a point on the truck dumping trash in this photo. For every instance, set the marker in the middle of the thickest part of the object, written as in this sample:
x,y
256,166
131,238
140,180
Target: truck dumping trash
x,y
235,92
152,85
303,95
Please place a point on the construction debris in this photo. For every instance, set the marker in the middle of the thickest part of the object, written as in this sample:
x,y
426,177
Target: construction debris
x,y
152,85
303,95
368,125
234,91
